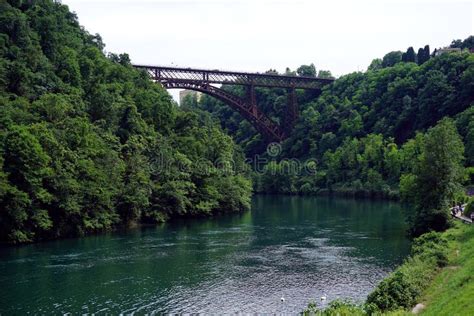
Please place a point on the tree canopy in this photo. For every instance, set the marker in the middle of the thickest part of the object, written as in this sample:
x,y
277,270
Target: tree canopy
x,y
89,143
365,131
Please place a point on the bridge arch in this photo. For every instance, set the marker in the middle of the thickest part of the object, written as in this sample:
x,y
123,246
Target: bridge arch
x,y
248,109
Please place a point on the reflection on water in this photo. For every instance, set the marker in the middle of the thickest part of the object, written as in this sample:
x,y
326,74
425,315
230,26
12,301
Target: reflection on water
x,y
292,247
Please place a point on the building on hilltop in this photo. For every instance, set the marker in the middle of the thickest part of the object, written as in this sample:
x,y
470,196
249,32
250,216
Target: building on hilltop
x,y
445,50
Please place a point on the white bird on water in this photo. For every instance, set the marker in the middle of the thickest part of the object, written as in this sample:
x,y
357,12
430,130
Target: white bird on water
x,y
282,299
323,298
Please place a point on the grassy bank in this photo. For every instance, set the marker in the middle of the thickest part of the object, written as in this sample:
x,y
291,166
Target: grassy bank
x,y
438,274
452,290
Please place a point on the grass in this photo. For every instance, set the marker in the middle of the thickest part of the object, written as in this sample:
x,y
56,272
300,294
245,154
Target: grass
x,y
452,290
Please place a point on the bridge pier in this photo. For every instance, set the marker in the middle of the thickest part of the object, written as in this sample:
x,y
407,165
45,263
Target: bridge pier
x,y
291,111
252,99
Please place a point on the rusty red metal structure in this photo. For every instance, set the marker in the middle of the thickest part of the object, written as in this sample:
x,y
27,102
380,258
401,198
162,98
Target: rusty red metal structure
x,y
202,80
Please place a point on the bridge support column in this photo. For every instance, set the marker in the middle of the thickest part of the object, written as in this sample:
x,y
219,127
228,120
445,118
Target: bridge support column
x,y
252,99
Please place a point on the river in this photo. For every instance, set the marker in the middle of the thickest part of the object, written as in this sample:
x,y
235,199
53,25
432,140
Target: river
x,y
298,248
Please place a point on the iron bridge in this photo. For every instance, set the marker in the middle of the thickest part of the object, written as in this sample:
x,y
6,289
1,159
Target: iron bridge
x,y
204,80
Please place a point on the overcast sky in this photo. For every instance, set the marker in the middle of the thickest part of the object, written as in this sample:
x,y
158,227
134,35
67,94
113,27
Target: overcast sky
x,y
256,35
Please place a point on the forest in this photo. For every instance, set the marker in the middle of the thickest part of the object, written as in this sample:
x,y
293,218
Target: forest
x,y
403,129
88,143
366,130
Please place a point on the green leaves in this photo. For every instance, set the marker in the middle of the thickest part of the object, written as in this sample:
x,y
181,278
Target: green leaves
x,y
26,168
403,288
87,142
52,107
439,173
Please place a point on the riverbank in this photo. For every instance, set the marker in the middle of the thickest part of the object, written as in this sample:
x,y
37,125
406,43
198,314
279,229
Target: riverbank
x,y
438,275
451,291
391,195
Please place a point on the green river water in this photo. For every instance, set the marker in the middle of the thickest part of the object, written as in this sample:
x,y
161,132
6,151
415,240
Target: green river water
x,y
298,248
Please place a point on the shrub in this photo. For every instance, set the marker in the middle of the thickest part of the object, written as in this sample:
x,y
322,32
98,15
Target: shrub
x,y
336,307
394,292
401,289
407,187
469,208
431,246
470,175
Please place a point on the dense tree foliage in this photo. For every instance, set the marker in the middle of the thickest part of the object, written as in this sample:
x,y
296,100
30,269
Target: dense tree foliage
x,y
362,130
364,133
409,56
468,43
422,56
394,101
435,180
88,142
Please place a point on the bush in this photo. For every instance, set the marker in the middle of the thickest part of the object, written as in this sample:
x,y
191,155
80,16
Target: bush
x,y
402,288
460,196
431,246
470,175
336,307
469,208
394,292
407,187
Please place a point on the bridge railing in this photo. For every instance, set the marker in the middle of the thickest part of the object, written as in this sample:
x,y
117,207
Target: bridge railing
x,y
177,74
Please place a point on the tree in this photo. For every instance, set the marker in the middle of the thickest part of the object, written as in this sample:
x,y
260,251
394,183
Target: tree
x,y
435,98
410,55
82,136
306,70
426,55
190,101
136,191
465,126
130,123
376,64
420,56
467,43
324,74
423,55
391,59
470,143
279,177
456,43
68,66
437,179
27,166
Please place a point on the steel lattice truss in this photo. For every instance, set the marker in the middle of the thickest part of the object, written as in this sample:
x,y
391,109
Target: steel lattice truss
x,y
201,80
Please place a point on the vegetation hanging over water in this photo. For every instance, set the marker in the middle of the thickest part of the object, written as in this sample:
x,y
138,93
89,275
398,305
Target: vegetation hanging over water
x,y
87,142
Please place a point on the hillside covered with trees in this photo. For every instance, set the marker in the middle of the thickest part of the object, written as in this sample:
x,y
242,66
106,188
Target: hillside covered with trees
x,y
88,143
365,131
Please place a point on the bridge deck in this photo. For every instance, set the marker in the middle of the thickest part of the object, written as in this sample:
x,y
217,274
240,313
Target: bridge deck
x,y
177,74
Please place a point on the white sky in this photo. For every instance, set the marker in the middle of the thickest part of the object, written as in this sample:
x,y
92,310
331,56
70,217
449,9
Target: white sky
x,y
256,35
